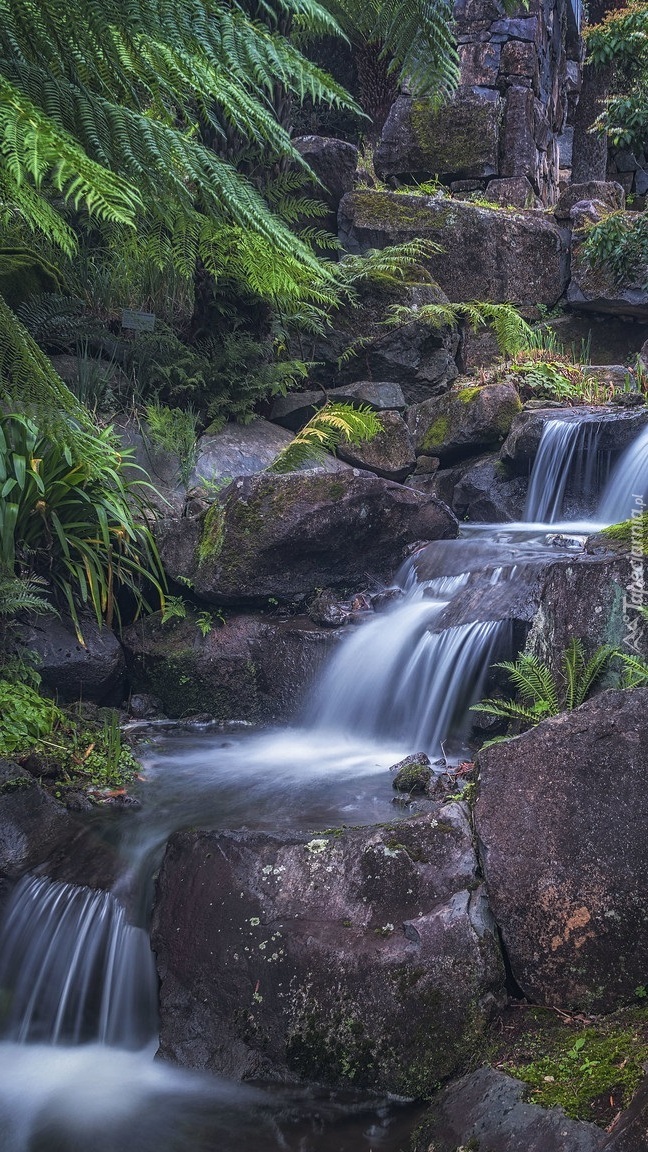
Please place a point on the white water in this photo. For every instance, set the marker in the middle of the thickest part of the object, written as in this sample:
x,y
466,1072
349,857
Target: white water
x,y
627,489
568,451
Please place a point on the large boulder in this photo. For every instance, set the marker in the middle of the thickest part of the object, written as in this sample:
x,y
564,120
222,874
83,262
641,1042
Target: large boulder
x,y
249,667
281,537
238,450
390,454
456,140
74,670
416,355
561,818
482,491
463,421
490,254
365,957
606,192
334,163
489,1110
594,288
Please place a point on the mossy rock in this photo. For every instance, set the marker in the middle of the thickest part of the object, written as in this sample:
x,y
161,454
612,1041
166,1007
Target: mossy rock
x,y
457,140
463,422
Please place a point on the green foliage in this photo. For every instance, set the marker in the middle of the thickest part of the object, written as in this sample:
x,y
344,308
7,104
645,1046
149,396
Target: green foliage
x,y
540,692
175,430
174,609
621,41
635,671
629,533
25,717
332,425
69,516
618,244
585,1067
511,330
416,38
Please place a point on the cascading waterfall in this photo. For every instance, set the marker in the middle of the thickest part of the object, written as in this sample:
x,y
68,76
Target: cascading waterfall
x,y
73,969
627,488
568,451
400,679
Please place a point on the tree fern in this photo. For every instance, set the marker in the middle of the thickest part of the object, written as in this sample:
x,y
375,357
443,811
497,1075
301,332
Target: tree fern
x,y
332,425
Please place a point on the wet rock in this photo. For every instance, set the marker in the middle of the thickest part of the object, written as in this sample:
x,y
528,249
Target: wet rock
x,y
516,257
413,774
606,191
144,706
32,824
284,536
617,430
463,421
457,140
417,356
327,609
365,957
488,1110
250,668
92,671
390,454
565,853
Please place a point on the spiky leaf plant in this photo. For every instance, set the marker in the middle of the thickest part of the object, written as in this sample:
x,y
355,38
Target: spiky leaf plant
x,y
68,515
332,425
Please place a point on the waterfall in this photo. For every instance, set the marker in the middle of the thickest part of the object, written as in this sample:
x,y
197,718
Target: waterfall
x,y
403,678
73,970
627,488
568,451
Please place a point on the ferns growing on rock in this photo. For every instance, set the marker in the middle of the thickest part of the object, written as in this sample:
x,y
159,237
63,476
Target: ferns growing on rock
x,y
333,424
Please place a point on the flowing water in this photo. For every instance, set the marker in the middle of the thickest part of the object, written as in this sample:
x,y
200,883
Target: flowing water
x,y
77,982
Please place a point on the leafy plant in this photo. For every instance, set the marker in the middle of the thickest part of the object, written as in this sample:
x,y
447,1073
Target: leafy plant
x,y
174,609
68,515
332,425
635,671
175,430
511,330
25,717
541,692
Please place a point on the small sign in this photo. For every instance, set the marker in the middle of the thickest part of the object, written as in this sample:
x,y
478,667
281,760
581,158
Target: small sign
x,y
138,321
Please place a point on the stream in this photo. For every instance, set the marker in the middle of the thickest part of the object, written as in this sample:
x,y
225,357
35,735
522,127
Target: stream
x,y
78,986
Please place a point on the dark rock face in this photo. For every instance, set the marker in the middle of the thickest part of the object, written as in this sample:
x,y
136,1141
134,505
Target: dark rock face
x,y
334,163
90,671
284,536
366,958
561,818
390,454
251,668
488,1110
483,492
513,191
606,191
463,421
460,139
618,428
488,254
418,357
295,408
36,830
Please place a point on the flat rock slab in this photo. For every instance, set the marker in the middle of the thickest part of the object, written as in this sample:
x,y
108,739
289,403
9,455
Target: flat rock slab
x,y
488,254
285,536
487,1111
561,816
365,957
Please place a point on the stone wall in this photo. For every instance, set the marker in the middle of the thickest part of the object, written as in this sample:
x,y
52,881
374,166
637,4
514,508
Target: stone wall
x,y
520,76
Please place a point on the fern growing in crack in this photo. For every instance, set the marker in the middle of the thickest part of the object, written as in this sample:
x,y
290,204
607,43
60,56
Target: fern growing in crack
x,y
540,691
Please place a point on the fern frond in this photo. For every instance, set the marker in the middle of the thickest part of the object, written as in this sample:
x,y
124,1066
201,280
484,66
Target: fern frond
x,y
635,671
322,434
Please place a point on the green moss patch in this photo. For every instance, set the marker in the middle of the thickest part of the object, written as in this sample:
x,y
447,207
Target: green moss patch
x,y
437,433
630,534
590,1068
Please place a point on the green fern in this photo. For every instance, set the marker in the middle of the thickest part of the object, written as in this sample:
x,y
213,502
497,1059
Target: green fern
x,y
542,692
511,329
635,671
332,425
